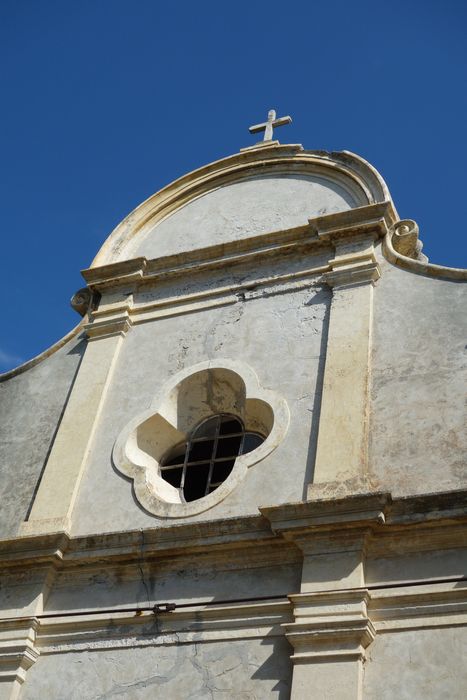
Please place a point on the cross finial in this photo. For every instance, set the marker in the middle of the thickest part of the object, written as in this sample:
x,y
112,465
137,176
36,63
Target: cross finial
x,y
268,126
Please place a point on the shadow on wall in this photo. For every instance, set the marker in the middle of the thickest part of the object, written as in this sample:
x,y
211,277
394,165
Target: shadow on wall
x,y
79,350
323,296
277,667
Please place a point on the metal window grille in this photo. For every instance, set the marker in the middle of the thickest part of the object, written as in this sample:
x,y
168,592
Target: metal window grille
x,y
202,463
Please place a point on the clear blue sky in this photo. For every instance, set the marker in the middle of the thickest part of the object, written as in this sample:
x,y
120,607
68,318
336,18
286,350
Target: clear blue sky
x,y
105,101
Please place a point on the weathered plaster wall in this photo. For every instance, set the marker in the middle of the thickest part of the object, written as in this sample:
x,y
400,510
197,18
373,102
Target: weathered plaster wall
x,y
184,579
31,404
248,207
418,428
281,337
242,669
416,664
414,566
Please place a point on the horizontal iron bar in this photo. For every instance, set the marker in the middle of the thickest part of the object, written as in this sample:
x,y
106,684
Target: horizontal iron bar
x,y
229,601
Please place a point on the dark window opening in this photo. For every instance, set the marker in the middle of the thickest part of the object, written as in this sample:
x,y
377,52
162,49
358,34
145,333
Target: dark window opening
x,y
202,463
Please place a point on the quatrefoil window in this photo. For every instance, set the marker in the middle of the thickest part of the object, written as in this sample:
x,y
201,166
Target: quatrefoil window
x,y
196,442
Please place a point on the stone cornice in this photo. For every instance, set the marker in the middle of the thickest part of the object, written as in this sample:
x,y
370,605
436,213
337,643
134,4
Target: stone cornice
x,y
442,518
336,249
17,649
402,248
321,232
411,607
346,168
317,237
185,624
374,219
329,514
131,273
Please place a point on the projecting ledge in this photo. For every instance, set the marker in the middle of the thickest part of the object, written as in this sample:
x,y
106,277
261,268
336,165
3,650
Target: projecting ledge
x,y
330,513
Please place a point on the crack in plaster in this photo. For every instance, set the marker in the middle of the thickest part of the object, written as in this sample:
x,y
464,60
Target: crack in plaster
x,y
140,567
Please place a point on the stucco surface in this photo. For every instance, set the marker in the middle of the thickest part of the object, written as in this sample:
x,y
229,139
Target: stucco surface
x,y
417,664
416,565
280,337
244,208
31,404
182,580
244,669
418,436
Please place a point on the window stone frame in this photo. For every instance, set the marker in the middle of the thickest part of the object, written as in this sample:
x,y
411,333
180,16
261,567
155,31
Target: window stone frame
x,y
187,398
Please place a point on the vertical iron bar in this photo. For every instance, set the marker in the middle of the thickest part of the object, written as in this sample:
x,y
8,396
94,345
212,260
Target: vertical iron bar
x,y
213,454
182,480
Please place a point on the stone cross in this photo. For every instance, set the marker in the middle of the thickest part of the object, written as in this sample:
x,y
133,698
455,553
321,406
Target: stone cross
x,y
268,126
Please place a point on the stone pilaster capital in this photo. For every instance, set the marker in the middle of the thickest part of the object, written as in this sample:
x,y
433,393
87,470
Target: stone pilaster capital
x,y
360,272
328,522
330,626
17,649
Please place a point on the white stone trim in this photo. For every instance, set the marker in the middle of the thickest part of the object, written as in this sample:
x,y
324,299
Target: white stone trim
x,y
167,429
416,607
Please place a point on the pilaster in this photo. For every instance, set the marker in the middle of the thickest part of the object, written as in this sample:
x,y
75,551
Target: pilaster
x,y
342,447
331,627
17,654
59,485
329,636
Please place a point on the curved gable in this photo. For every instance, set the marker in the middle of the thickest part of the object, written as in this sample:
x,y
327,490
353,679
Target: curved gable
x,y
260,191
248,207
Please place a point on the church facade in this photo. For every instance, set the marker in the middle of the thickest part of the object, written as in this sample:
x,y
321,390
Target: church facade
x,y
243,475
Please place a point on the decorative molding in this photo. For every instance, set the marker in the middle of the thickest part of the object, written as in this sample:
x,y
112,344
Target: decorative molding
x,y
143,442
405,239
178,304
372,220
120,284
401,247
400,524
182,626
18,650
367,510
352,172
417,607
81,300
271,144
320,233
45,526
359,273
330,626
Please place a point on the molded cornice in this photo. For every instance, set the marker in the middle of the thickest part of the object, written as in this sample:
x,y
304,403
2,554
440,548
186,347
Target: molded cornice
x,y
441,518
319,233
348,169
